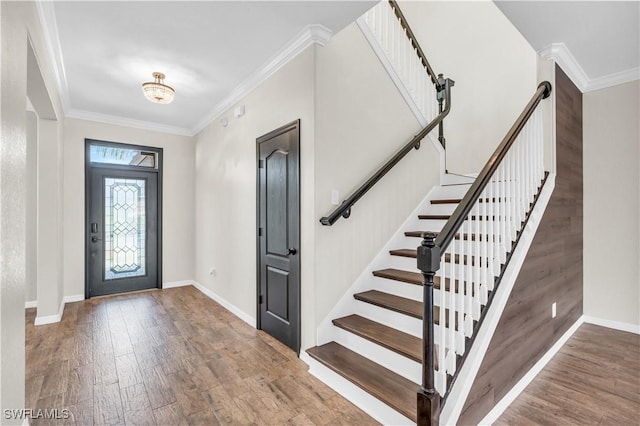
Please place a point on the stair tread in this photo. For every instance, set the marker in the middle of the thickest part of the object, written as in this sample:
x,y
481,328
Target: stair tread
x,y
388,337
399,304
434,216
391,388
392,302
413,278
413,253
457,237
446,201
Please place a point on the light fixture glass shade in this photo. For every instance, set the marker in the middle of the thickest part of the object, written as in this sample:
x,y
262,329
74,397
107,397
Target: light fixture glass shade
x,y
157,91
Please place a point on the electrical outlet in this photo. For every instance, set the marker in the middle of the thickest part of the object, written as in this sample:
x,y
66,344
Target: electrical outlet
x,y
553,310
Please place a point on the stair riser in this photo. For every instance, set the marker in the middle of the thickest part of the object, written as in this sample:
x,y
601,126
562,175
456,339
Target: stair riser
x,y
360,398
447,209
397,363
399,321
410,264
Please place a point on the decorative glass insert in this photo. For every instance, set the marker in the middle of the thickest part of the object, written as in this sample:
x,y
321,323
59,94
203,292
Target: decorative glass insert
x,y
124,228
121,156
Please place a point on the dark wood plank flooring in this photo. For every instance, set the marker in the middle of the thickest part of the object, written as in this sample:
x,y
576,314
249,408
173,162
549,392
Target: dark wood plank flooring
x,y
170,357
593,380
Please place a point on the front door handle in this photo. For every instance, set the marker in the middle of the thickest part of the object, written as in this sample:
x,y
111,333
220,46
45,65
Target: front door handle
x,y
95,239
292,251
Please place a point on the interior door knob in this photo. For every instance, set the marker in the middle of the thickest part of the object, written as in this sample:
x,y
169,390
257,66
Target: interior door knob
x,y
293,251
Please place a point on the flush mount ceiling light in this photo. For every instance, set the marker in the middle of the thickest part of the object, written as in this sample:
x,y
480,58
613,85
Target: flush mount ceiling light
x,y
157,91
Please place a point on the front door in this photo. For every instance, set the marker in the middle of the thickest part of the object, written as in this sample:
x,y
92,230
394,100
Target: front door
x,y
279,234
122,226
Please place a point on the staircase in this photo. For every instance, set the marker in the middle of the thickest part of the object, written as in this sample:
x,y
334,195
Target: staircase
x,y
398,340
389,314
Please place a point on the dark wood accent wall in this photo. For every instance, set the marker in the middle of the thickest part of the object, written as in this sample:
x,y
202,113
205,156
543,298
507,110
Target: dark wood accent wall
x,y
552,272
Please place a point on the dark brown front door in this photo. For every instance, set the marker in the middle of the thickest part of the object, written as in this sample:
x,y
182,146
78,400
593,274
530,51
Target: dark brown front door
x,y
279,234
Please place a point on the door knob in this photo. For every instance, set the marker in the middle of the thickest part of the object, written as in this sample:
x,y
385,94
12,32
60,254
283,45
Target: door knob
x,y
293,251
95,239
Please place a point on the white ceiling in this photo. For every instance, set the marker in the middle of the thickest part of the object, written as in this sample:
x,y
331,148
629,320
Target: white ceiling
x,y
206,49
603,36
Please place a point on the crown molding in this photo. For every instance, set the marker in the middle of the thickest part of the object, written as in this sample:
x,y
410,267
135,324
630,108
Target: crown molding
x,y
561,54
614,79
311,34
127,122
47,17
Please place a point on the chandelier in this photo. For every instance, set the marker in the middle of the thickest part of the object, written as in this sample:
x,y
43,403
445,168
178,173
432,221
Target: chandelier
x,y
157,91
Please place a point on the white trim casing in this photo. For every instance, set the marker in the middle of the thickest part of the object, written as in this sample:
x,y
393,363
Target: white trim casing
x,y
616,325
460,391
511,396
565,59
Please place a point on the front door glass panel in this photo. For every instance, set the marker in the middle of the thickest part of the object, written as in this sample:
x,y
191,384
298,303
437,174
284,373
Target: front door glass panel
x,y
125,228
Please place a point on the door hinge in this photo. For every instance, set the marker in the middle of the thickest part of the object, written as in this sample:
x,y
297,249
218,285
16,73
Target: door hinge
x,y
260,300
261,164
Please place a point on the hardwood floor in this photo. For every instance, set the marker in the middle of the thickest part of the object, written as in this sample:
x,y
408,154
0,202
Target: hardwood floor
x,y
170,357
593,380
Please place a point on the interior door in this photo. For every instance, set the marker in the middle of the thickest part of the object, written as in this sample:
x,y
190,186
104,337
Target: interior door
x,y
122,220
279,234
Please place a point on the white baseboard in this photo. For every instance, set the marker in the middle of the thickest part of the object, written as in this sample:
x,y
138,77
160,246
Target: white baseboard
x,y
226,304
501,406
174,284
73,298
50,319
31,304
616,325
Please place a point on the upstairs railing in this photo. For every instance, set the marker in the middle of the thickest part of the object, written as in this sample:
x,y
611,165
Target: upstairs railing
x,y
431,92
477,240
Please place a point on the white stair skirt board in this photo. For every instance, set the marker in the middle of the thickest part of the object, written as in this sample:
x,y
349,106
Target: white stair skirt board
x,y
360,398
404,92
616,325
226,304
467,374
366,280
511,396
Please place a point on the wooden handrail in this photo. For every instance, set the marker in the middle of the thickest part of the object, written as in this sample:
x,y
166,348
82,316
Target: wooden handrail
x,y
414,42
344,210
460,214
433,247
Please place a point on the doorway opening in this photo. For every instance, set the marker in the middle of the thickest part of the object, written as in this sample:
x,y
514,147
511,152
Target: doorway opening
x,y
123,218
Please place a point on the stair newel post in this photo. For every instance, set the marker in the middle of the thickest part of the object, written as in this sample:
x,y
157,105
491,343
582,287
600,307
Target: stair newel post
x,y
428,398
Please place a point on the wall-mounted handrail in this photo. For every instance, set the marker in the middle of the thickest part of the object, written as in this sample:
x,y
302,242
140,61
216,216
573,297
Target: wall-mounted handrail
x,y
414,42
460,213
344,210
